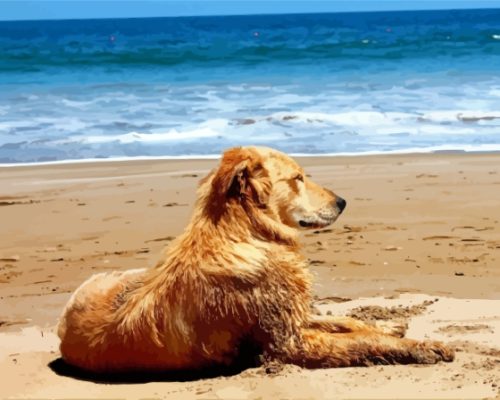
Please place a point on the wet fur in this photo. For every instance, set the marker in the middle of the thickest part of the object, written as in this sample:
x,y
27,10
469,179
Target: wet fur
x,y
234,282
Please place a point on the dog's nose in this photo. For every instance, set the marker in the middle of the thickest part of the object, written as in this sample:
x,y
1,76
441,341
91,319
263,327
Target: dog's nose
x,y
341,203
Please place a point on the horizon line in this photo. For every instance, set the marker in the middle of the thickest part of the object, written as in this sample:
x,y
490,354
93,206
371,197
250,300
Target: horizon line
x,y
250,14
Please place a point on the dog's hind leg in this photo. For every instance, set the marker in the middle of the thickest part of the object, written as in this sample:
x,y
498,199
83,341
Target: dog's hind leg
x,y
324,350
348,324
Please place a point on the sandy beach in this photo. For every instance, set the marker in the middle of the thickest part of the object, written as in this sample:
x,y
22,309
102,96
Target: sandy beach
x,y
419,244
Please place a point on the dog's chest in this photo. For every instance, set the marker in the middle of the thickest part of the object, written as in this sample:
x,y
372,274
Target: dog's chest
x,y
288,286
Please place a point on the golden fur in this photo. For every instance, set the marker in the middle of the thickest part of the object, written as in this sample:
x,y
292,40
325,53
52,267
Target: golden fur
x,y
234,282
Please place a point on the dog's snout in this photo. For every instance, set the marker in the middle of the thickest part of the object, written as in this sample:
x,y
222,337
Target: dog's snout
x,y
341,203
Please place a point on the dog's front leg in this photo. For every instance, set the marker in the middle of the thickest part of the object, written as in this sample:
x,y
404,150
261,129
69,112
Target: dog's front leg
x,y
348,324
338,325
324,350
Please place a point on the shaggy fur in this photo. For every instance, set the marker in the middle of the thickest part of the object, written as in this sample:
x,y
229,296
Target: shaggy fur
x,y
234,282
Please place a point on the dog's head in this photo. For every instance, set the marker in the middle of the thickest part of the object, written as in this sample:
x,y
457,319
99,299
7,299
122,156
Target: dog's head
x,y
275,184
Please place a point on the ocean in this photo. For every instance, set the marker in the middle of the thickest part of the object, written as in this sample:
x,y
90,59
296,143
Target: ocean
x,y
345,83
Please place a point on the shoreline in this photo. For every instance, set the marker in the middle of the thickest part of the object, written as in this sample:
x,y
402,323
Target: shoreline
x,y
488,149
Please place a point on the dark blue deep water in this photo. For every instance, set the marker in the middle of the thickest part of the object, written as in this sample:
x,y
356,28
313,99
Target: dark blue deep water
x,y
317,83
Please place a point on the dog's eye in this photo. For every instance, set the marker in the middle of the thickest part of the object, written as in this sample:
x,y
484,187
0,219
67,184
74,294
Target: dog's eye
x,y
300,177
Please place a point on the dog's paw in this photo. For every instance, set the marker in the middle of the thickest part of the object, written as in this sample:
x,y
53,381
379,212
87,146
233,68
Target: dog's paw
x,y
444,352
393,328
431,353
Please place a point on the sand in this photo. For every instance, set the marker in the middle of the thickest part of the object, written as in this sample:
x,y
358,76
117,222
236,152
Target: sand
x,y
418,245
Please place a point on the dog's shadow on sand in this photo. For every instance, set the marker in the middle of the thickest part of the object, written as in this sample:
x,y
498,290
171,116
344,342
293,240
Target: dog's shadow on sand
x,y
62,368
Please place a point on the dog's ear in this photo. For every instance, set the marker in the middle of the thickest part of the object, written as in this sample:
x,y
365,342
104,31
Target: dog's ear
x,y
242,176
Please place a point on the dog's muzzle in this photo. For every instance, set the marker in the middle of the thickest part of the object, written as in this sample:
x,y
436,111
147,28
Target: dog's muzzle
x,y
325,216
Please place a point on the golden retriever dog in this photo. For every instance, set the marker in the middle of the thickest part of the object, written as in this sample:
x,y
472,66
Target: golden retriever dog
x,y
233,283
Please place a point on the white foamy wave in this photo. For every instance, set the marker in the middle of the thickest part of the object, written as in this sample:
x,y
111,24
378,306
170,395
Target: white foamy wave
x,y
213,129
495,92
460,115
172,135
78,104
209,129
61,124
368,123
8,125
349,118
370,118
286,100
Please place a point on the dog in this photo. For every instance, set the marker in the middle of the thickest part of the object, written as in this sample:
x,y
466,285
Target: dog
x,y
233,283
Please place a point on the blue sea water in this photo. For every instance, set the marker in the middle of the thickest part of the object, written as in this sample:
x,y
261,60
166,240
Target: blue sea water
x,y
309,84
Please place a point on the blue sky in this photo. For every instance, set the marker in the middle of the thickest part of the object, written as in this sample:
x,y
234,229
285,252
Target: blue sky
x,y
70,9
